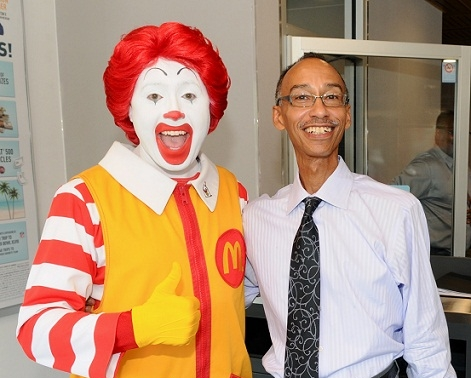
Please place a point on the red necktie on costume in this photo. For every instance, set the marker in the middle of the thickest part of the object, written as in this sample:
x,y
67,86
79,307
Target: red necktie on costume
x,y
302,337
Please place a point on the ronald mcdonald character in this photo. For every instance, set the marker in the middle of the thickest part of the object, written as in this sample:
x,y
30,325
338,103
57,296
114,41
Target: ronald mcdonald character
x,y
153,233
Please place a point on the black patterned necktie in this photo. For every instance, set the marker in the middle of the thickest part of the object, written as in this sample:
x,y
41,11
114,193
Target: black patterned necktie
x,y
302,337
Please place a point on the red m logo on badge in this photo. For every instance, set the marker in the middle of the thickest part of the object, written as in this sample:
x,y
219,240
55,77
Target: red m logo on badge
x,y
230,257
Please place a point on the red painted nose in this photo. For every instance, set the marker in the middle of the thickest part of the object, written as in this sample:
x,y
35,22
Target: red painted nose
x,y
174,115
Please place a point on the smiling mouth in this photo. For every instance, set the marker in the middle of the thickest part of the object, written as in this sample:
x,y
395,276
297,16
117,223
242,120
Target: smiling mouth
x,y
173,139
318,130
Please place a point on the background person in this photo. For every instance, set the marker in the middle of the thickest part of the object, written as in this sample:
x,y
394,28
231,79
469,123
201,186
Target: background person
x,y
144,233
430,178
378,296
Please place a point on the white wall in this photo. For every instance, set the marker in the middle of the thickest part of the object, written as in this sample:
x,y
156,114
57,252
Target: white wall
x,y
68,44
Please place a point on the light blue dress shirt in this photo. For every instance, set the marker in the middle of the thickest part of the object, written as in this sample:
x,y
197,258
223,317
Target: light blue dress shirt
x,y
379,299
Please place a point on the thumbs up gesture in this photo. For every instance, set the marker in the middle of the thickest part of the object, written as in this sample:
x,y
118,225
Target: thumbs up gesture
x,y
166,318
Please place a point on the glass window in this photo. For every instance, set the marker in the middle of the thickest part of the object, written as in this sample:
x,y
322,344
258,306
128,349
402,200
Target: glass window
x,y
323,18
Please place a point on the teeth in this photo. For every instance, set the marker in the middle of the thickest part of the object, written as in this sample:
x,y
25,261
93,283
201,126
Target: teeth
x,y
318,130
173,133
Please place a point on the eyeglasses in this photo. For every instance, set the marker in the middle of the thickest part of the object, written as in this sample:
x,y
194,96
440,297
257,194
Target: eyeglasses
x,y
306,100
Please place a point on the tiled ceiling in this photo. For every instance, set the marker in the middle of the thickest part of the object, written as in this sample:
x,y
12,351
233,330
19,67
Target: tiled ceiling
x,y
456,22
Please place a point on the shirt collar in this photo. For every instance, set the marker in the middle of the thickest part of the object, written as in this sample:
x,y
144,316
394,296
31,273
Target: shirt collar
x,y
152,186
334,191
445,157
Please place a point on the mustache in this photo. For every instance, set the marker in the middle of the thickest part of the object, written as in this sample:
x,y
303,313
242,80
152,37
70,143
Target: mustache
x,y
316,121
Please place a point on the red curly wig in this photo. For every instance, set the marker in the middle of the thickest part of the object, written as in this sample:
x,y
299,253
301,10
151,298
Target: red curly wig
x,y
142,47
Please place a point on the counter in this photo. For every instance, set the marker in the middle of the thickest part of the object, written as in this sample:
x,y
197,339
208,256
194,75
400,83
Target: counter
x,y
458,317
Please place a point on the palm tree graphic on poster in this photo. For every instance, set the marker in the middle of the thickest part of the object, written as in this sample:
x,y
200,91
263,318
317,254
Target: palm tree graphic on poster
x,y
11,194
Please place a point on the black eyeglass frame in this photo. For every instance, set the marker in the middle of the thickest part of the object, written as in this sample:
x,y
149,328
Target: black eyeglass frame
x,y
346,100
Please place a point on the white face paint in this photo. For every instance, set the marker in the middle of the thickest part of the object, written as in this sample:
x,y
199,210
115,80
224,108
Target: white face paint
x,y
170,113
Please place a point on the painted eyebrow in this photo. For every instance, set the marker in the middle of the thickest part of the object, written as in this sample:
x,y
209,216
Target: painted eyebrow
x,y
165,73
156,68
186,68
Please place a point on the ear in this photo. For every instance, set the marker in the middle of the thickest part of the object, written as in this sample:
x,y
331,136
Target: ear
x,y
348,119
278,120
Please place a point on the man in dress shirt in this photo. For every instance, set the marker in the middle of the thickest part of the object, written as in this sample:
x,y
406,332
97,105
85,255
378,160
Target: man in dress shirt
x,y
379,299
430,178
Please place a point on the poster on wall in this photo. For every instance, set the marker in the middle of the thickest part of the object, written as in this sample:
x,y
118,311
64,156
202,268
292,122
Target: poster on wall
x,y
18,221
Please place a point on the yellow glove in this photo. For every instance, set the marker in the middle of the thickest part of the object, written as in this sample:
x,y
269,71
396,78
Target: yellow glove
x,y
166,318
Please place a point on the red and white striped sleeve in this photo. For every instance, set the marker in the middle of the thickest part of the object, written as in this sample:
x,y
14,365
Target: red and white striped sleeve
x,y
69,266
243,196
